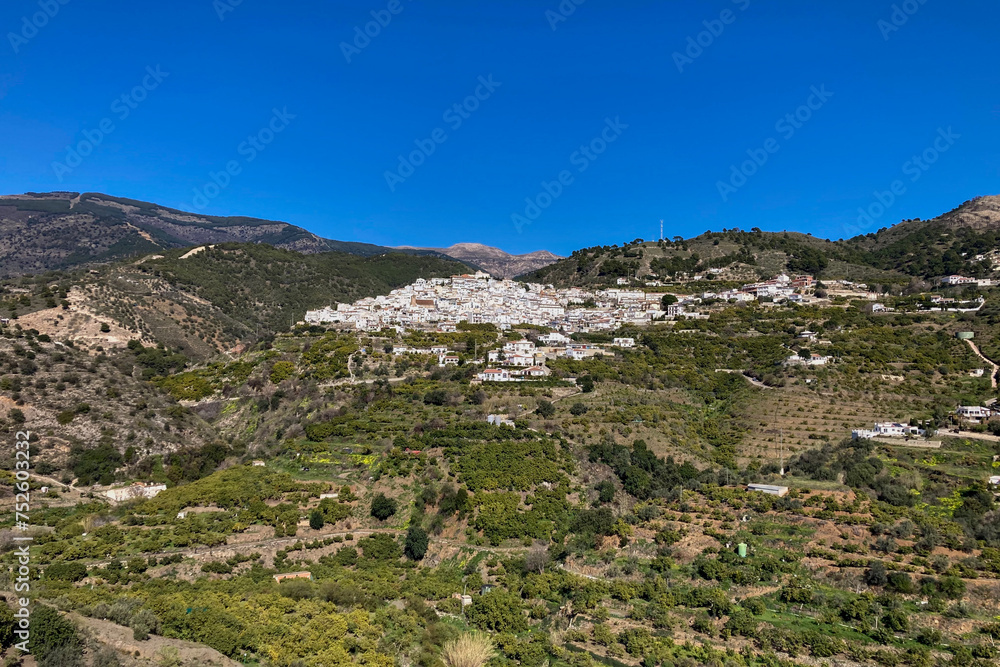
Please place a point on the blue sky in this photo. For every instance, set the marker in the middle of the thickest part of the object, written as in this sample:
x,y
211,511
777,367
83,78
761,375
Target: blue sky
x,y
589,127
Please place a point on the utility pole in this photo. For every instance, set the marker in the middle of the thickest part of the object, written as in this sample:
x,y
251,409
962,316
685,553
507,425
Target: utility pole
x,y
781,450
661,230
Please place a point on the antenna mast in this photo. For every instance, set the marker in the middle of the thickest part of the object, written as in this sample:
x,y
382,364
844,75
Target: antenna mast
x,y
661,230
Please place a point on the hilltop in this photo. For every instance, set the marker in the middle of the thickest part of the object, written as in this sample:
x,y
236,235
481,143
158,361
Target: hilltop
x,y
63,230
960,241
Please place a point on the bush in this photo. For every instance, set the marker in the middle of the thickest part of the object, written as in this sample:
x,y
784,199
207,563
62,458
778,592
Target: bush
x,y
73,571
383,507
281,371
497,611
545,409
53,638
416,543
470,650
900,582
875,575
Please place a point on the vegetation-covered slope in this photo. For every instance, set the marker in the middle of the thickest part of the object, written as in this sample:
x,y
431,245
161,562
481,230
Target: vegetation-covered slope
x,y
48,231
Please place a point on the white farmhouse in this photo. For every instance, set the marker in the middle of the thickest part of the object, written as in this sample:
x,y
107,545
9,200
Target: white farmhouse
x,y
134,492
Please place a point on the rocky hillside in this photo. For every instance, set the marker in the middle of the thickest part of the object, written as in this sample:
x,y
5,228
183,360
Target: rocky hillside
x,y
62,230
495,260
207,300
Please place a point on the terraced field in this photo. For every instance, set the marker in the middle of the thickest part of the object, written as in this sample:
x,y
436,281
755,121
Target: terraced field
x,y
801,418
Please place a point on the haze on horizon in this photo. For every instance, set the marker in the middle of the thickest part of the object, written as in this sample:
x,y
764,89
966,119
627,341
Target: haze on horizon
x,y
605,117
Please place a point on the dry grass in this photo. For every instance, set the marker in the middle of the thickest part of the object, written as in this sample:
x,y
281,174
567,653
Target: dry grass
x,y
470,650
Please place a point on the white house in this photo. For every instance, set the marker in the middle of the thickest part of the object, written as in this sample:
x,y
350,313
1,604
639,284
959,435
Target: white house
x,y
135,491
500,420
520,360
973,412
519,347
447,360
554,338
537,372
813,360
887,430
494,375
957,280
675,310
624,342
439,350
769,489
574,353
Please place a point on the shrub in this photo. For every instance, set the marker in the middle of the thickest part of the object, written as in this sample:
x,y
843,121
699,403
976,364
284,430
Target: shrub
x,y
469,650
383,507
900,582
497,611
416,543
73,571
545,409
281,371
52,637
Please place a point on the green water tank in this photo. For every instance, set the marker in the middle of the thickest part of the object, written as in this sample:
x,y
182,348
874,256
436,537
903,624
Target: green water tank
x,y
741,549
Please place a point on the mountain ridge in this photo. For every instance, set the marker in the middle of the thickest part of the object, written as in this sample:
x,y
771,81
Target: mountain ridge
x,y
498,262
64,230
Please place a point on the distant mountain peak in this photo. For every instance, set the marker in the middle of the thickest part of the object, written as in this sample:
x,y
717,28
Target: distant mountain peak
x,y
498,262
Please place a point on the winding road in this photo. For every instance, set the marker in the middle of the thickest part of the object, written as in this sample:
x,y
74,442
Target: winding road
x,y
993,373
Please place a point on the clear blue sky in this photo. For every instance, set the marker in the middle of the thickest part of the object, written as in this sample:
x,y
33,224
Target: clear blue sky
x,y
326,169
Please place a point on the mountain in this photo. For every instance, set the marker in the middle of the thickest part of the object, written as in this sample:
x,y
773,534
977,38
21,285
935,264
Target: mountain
x,y
494,260
62,230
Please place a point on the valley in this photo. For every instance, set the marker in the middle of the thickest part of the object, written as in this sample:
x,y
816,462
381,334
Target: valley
x,y
363,491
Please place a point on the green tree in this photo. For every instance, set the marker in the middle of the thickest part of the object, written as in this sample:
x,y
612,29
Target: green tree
x,y
668,300
416,542
497,611
316,519
52,636
383,507
546,409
